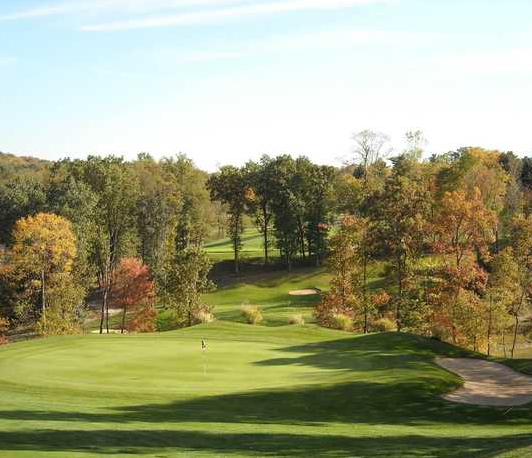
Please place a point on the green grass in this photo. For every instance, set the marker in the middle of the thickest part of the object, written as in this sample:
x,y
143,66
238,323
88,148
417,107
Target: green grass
x,y
252,247
271,291
292,391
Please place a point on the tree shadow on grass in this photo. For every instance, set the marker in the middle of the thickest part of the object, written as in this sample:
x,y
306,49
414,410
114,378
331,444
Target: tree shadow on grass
x,y
166,443
397,384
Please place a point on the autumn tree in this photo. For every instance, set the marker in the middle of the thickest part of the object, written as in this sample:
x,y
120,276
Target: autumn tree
x,y
400,216
463,224
43,252
521,271
347,263
504,292
133,287
463,227
343,296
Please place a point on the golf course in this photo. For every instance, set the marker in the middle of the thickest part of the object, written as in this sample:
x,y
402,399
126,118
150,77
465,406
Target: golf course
x,y
273,390
288,391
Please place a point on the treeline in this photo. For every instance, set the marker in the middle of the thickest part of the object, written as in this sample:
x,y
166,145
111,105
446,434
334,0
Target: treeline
x,y
454,237
73,226
291,202
451,235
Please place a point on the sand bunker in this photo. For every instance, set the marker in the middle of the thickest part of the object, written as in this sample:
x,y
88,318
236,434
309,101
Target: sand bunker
x,y
304,292
487,383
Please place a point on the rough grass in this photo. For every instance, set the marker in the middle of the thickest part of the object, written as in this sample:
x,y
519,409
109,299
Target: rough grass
x,y
292,391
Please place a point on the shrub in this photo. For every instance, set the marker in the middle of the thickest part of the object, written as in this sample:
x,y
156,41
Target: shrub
x,y
383,325
4,327
168,320
440,333
329,307
297,319
203,314
342,322
252,313
144,320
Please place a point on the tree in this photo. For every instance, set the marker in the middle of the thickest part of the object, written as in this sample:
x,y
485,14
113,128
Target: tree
x,y
458,301
19,196
260,197
521,256
229,186
319,205
4,327
44,246
347,262
132,287
415,143
463,224
43,253
188,281
401,218
286,208
503,293
116,188
370,147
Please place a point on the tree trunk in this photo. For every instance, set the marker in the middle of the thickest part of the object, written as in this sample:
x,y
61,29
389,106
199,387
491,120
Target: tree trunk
x,y
504,342
102,314
490,325
364,291
123,320
516,326
265,235
43,296
106,299
400,285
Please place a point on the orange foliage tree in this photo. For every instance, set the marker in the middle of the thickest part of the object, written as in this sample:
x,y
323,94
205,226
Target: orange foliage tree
x,y
134,291
463,223
464,227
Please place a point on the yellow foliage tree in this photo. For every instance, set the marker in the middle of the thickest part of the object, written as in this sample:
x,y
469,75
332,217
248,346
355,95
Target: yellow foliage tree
x,y
44,251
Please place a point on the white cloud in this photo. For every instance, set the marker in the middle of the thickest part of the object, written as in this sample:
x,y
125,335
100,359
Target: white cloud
x,y
326,39
109,6
222,14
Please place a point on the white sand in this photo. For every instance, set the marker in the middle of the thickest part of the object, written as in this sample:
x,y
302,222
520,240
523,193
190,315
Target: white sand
x,y
487,383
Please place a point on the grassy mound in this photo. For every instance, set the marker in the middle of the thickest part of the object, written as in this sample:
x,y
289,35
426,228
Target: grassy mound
x,y
293,391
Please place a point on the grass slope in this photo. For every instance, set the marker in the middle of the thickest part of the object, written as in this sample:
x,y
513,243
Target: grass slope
x,y
293,391
252,247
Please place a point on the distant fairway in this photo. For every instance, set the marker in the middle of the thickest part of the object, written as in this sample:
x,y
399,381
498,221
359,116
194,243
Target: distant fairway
x,y
258,391
252,247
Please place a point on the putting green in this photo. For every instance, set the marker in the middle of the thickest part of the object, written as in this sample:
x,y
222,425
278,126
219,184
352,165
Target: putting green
x,y
292,391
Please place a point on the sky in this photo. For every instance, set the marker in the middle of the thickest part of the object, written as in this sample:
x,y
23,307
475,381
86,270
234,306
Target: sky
x,y
225,81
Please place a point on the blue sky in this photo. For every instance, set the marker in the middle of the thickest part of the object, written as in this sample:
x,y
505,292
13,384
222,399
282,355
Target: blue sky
x,y
228,80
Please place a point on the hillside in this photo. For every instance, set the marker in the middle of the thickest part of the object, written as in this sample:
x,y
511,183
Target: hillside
x,y
11,164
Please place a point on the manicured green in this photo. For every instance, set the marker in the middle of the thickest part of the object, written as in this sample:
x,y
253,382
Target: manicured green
x,y
291,391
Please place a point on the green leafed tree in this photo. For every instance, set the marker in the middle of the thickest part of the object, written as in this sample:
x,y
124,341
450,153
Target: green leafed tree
x,y
229,186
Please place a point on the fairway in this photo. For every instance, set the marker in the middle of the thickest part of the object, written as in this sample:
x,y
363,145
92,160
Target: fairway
x,y
287,391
